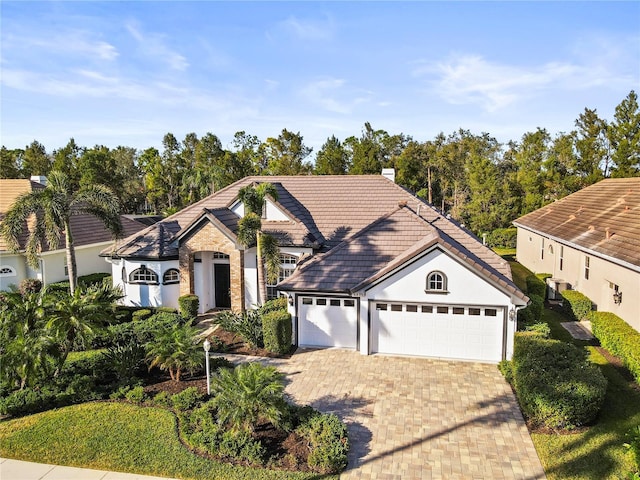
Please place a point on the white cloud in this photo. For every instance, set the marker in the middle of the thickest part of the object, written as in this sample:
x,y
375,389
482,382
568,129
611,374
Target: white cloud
x,y
309,29
471,79
154,46
71,43
334,95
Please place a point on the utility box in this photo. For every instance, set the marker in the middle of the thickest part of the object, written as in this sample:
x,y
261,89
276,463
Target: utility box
x,y
555,287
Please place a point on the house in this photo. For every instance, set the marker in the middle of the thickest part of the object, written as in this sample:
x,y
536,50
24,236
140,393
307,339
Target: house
x,y
90,238
365,265
589,241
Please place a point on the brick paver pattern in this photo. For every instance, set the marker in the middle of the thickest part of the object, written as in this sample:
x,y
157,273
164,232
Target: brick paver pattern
x,y
416,418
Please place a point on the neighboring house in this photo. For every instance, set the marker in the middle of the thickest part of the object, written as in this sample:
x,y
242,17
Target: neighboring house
x,y
589,241
90,238
365,265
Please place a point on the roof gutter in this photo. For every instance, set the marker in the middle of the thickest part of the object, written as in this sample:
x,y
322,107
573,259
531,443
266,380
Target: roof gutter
x,y
617,261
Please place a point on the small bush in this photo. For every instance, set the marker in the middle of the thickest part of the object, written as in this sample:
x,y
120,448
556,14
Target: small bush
x,y
141,314
277,331
576,305
279,303
186,399
532,313
248,325
162,399
541,329
27,401
126,359
556,385
535,286
144,331
506,369
29,285
633,445
136,394
165,310
189,305
619,338
240,445
503,238
94,279
124,314
328,443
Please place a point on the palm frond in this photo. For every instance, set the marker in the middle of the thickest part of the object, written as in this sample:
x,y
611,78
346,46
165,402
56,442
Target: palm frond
x,y
248,227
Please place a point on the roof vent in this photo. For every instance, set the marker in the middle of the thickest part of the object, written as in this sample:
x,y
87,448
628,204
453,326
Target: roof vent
x,y
389,173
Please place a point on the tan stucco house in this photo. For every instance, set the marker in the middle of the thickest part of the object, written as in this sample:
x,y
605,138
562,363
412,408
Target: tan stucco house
x,y
365,265
589,241
90,238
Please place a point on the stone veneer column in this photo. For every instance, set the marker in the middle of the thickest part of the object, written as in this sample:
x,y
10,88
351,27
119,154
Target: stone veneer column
x,y
209,238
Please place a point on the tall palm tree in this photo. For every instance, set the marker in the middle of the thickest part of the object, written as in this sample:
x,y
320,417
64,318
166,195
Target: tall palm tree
x,y
53,208
250,233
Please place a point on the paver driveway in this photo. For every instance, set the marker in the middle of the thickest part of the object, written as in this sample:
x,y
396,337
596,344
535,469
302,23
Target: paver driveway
x,y
414,418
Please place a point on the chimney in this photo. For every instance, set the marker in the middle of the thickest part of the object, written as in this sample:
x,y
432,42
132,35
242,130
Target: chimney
x,y
389,173
41,179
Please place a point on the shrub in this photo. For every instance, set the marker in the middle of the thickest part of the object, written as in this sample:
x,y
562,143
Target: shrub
x,y
239,444
619,338
126,359
506,369
541,329
277,331
165,310
136,394
634,446
576,305
175,349
536,286
556,385
123,314
186,399
162,399
503,238
94,279
189,305
328,442
279,303
248,325
532,313
29,285
143,331
141,314
26,401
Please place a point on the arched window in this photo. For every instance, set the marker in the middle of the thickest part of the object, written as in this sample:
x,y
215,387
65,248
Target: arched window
x,y
143,275
436,282
171,276
6,271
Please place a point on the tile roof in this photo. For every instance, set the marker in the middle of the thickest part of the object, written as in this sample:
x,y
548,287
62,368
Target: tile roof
x,y
325,211
86,229
603,218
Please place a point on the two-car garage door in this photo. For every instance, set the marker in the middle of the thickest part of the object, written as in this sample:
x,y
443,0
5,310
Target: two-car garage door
x,y
466,333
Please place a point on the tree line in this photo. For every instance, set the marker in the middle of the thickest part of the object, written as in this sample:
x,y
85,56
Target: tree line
x,y
474,178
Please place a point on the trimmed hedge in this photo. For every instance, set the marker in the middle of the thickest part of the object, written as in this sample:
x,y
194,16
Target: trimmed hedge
x,y
280,303
555,383
536,286
277,331
142,314
619,338
576,305
532,313
189,305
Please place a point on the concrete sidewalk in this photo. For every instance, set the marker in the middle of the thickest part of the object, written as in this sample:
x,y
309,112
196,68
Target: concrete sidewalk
x,y
19,470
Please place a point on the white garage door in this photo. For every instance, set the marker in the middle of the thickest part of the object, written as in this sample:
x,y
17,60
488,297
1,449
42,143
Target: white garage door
x,y
327,322
466,333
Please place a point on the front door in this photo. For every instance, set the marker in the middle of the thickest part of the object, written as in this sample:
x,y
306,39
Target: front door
x,y
222,276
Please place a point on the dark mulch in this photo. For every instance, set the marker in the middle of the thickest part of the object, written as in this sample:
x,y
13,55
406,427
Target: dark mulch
x,y
232,343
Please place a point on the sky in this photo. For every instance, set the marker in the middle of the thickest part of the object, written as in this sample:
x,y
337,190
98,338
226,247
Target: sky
x,y
126,73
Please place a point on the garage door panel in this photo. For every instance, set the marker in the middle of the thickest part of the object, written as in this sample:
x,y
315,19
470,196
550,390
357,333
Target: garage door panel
x,y
323,323
446,335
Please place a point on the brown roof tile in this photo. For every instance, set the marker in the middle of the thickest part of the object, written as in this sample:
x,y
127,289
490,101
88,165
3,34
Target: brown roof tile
x,y
603,218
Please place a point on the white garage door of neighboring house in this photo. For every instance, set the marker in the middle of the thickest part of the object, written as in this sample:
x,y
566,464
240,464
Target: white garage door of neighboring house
x,y
327,322
466,333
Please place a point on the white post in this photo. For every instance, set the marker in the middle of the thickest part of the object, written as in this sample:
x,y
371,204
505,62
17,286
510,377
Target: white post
x,y
207,345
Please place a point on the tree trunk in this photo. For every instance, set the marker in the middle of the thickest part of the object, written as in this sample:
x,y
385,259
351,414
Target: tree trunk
x,y
262,286
429,185
71,258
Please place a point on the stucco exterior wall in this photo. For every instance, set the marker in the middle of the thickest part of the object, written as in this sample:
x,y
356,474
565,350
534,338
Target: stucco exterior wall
x,y
603,274
145,295
88,261
17,263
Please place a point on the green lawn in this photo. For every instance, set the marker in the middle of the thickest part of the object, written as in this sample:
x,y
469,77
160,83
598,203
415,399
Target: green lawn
x,y
118,437
597,452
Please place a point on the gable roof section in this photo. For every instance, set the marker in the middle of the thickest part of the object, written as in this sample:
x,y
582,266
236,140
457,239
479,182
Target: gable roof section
x,y
603,219
382,248
326,210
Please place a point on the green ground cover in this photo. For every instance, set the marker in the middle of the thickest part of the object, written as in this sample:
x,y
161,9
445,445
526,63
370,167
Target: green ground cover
x,y
118,437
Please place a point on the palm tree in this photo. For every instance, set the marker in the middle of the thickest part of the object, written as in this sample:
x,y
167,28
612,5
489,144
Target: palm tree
x,y
250,233
175,349
247,395
76,316
53,208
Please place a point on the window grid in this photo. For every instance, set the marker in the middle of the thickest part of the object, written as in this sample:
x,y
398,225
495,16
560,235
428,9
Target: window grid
x,y
436,282
171,276
587,261
287,267
7,271
220,255
143,275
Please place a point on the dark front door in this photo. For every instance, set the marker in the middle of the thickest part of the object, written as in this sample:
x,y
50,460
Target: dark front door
x,y
222,275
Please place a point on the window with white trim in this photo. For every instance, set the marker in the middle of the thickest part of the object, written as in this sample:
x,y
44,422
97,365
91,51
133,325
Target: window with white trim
x,y
220,255
6,271
171,276
561,257
587,262
542,250
287,267
436,282
143,275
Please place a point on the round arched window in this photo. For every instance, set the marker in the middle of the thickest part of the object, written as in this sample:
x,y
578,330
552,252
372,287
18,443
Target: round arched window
x,y
436,282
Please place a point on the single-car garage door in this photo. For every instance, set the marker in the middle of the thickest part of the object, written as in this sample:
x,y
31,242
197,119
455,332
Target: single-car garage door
x,y
327,322
466,333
